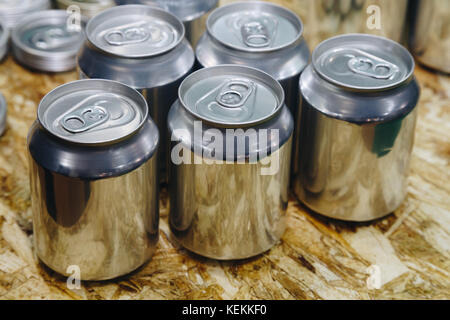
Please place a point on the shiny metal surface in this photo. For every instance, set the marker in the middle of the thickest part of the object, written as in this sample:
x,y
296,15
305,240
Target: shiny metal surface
x,y
327,18
87,8
228,209
3,108
294,54
45,41
193,13
429,37
157,77
355,145
13,11
4,38
95,207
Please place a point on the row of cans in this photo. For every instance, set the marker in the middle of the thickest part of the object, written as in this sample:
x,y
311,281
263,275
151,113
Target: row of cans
x,y
229,136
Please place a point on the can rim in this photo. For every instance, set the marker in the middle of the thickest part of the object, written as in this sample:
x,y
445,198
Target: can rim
x,y
286,11
254,71
168,15
107,84
35,4
61,56
316,55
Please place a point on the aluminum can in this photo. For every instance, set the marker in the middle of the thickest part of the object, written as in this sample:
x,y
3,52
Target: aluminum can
x,y
3,108
48,41
143,47
260,35
357,126
231,139
4,37
13,11
193,13
429,37
87,8
328,18
94,188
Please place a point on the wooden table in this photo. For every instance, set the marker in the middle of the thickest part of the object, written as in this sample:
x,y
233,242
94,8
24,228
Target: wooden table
x,y
318,258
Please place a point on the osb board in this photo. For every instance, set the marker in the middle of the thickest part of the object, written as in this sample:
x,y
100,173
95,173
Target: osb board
x,y
317,258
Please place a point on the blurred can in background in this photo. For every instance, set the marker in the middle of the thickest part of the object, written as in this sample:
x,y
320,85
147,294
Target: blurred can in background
x,y
260,35
48,41
429,37
13,11
358,115
192,13
87,8
94,191
3,108
229,176
143,47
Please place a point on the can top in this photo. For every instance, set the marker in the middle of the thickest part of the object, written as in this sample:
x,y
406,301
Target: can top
x,y
254,26
135,31
231,95
20,6
92,111
363,62
49,34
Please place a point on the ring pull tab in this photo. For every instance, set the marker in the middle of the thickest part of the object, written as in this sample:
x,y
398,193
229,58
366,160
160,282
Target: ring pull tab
x,y
374,68
255,34
234,93
52,38
125,36
84,118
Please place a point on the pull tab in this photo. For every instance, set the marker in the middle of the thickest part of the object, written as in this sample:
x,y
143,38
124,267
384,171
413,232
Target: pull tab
x,y
53,38
371,66
133,33
234,93
84,118
231,101
255,34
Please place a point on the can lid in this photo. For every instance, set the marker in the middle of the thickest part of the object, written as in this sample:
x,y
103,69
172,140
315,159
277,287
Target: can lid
x,y
135,31
231,95
48,40
363,62
254,26
93,111
12,11
2,114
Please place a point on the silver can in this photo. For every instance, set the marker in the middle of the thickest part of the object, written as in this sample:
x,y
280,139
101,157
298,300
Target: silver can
x,y
260,35
143,47
4,37
231,139
87,8
94,191
13,11
429,37
48,41
3,108
193,13
357,126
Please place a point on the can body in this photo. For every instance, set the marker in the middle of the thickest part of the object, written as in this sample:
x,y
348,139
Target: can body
x,y
225,207
3,108
4,41
355,144
95,207
193,13
12,12
429,37
157,77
